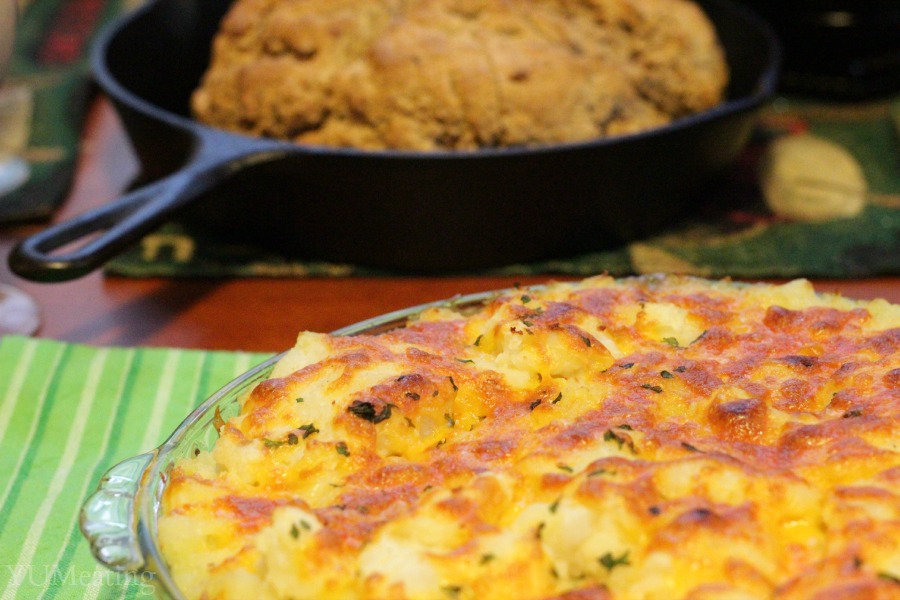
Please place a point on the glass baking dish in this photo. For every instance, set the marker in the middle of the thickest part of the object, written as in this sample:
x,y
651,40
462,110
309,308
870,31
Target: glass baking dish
x,y
119,519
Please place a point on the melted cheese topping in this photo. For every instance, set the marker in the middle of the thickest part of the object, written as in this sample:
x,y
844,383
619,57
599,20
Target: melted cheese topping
x,y
645,438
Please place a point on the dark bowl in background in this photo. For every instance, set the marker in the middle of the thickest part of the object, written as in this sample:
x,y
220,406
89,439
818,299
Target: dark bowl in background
x,y
837,49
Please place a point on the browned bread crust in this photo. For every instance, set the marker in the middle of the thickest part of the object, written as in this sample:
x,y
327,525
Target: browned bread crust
x,y
458,74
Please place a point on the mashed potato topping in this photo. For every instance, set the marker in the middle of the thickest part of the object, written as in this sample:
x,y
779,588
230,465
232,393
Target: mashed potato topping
x,y
643,438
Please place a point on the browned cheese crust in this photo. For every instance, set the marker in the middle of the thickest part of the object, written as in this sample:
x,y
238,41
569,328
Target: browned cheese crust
x,y
639,439
458,74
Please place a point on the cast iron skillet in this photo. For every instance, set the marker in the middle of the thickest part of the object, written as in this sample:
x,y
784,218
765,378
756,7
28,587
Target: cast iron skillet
x,y
417,212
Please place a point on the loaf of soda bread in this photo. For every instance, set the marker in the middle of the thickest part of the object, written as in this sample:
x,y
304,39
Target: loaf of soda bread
x,y
458,74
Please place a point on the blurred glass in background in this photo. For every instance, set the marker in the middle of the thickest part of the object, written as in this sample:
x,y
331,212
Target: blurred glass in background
x,y
18,311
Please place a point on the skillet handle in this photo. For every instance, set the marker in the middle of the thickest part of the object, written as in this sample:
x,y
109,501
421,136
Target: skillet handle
x,y
108,230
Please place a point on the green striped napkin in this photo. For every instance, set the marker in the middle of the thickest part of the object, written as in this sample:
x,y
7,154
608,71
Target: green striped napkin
x,y
67,414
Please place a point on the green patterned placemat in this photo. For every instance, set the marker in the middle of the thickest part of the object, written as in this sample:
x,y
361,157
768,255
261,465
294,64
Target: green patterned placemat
x,y
68,413
43,101
743,240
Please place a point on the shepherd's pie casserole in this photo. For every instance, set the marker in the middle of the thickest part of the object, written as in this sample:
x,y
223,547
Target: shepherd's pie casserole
x,y
642,438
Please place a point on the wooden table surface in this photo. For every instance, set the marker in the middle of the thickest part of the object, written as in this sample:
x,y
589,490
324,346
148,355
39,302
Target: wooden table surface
x,y
232,314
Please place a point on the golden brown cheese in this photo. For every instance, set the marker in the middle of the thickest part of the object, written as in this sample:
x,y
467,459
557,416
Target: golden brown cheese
x,y
644,438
